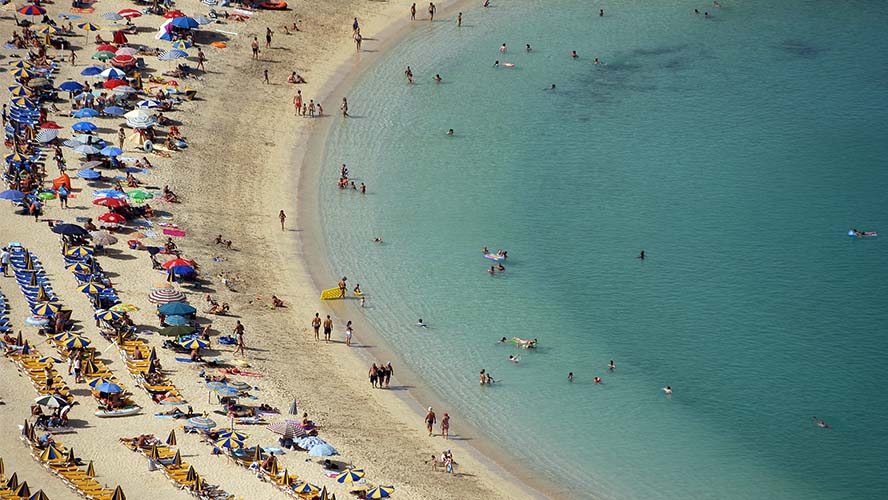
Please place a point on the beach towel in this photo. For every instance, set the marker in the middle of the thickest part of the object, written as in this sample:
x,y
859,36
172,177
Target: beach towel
x,y
82,10
173,232
273,449
186,360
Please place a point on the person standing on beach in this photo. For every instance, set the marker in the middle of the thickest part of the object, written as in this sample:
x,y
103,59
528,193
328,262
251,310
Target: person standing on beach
x,y
265,76
4,261
348,334
328,329
73,57
342,287
459,20
255,46
430,420
355,26
445,425
358,40
389,371
200,59
316,324
268,34
239,331
121,137
412,12
297,102
374,374
283,217
432,10
344,107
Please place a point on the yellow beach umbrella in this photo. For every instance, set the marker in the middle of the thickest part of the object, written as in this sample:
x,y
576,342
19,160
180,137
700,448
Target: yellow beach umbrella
x,y
20,64
71,459
90,470
79,251
46,308
274,468
118,494
90,288
124,308
154,453
52,454
22,101
22,73
19,91
22,491
257,454
306,489
13,482
177,459
190,475
40,495
2,467
89,27
380,492
350,476
171,439
285,479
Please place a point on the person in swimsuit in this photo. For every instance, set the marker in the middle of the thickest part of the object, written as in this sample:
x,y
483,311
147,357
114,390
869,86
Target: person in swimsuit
x,y
421,324
328,329
348,334
570,377
316,325
430,420
445,425
342,287
611,366
483,377
373,375
573,54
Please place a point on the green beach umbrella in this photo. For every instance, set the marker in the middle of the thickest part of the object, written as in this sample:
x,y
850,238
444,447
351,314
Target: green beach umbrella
x,y
103,55
176,331
46,195
139,195
124,308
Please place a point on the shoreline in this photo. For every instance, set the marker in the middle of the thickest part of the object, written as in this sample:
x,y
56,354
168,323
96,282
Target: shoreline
x,y
312,155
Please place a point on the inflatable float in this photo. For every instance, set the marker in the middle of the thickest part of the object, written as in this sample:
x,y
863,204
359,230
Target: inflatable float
x,y
273,5
330,293
491,256
121,412
862,234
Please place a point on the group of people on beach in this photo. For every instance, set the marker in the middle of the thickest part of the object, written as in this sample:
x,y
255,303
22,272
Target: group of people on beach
x,y
345,183
381,375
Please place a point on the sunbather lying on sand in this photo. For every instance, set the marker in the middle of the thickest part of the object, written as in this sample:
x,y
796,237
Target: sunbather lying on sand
x,y
141,441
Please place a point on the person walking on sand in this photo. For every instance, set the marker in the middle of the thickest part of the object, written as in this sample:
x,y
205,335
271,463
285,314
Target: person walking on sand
x,y
348,334
268,34
255,46
239,331
73,57
413,12
374,374
328,329
316,325
344,107
432,10
342,287
200,59
358,39
445,425
283,217
355,26
389,371
430,420
265,76
121,137
297,102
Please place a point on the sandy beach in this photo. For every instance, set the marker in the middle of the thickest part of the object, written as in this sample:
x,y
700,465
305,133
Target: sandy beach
x,y
244,163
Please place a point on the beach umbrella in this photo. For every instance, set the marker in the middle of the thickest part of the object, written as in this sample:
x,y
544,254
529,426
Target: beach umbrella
x,y
70,230
184,22
114,82
236,435
350,476
123,90
12,482
181,44
191,475
109,315
110,202
118,494
380,492
39,495
139,114
99,381
171,439
119,37
114,110
111,151
176,320
172,14
172,55
52,454
226,391
182,270
18,339
88,27
46,195
106,47
257,453
90,367
32,10
86,149
19,90
23,491
153,452
177,262
108,388
80,252
124,308
148,103
103,238
90,470
51,401
12,195
322,450
112,218
127,13
91,71
63,337
36,321
126,51
229,443
103,56
90,288
70,458
39,82
213,385
22,73
77,343
306,489
287,428
85,113
112,16
202,422
179,308
45,309
139,195
112,73
176,331
15,158
49,360
239,386
84,127
23,102
177,458
193,344
20,64
88,174
285,479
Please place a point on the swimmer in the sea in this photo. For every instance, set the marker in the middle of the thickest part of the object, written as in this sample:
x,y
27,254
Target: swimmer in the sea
x,y
378,239
437,78
611,366
570,377
486,3
421,324
551,88
596,61
597,380
667,390
514,359
492,270
641,255
503,48
821,423
450,132
484,250
500,267
573,54
496,64
527,47
502,340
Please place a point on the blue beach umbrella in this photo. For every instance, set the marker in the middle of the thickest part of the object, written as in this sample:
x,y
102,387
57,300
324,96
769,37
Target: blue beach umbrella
x,y
20,64
322,450
148,103
19,90
182,270
226,391
166,36
91,71
184,22
229,443
99,381
380,492
240,436
193,343
45,309
84,127
179,308
350,476
114,111
90,288
80,252
109,315
176,320
22,73
108,387
88,174
112,73
85,113
181,45
213,385
111,151
23,102
13,195
77,343
71,86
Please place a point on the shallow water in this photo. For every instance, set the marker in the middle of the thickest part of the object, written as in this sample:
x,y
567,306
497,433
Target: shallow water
x,y
736,151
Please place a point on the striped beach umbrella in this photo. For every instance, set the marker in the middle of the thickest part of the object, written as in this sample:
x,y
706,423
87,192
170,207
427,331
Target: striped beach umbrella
x,y
19,90
63,337
90,470
49,360
90,288
99,381
274,468
118,494
191,475
380,492
350,476
202,422
46,308
77,343
20,73
52,454
32,10
124,308
23,102
236,435
257,454
79,252
287,428
126,13
194,344
20,63
79,267
39,495
229,443
23,491
239,386
90,367
177,459
154,452
165,296
171,439
306,489
112,16
13,481
109,315
89,27
70,458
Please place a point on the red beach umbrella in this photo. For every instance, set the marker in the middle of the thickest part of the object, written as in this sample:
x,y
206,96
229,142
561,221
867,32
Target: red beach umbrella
x,y
112,218
177,262
32,10
113,83
129,13
106,47
110,202
50,125
172,14
120,37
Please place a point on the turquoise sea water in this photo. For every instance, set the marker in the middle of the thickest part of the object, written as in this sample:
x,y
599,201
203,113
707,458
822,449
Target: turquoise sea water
x,y
736,151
